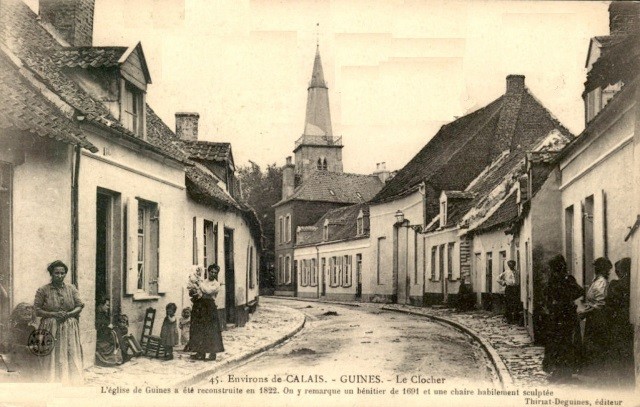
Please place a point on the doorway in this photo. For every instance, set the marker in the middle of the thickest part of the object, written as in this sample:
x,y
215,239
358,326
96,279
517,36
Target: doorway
x,y
587,242
358,276
108,249
229,277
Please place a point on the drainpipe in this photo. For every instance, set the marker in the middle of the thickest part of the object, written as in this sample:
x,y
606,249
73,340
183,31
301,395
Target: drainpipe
x,y
74,215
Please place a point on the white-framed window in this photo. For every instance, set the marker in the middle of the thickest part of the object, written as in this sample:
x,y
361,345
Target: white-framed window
x,y
325,230
347,271
132,109
333,270
360,224
314,273
280,270
281,229
443,213
148,236
287,228
287,270
303,273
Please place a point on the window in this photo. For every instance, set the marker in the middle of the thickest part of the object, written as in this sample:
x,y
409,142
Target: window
x,y
360,224
321,164
434,250
148,245
346,276
415,258
325,230
281,230
132,104
333,271
489,272
441,263
251,268
379,260
314,273
303,269
443,213
450,248
280,270
503,261
287,228
287,270
210,243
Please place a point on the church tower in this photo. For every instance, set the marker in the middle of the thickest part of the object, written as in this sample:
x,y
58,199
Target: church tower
x,y
317,149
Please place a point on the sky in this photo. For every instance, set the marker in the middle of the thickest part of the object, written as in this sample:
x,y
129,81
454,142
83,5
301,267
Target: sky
x,y
396,70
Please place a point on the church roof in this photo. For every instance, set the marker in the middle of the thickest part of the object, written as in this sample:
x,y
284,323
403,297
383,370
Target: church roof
x,y
318,115
324,186
317,75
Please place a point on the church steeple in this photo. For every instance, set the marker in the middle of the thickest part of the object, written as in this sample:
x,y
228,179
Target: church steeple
x,y
317,76
318,149
318,118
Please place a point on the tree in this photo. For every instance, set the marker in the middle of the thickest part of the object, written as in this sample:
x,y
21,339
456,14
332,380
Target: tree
x,y
261,190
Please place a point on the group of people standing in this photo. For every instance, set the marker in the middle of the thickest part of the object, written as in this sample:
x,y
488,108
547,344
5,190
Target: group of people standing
x,y
603,348
58,305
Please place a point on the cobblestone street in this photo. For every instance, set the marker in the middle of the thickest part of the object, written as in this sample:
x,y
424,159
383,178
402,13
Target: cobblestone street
x,y
512,343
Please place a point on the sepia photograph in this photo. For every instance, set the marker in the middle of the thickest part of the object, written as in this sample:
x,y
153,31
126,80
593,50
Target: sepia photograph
x,y
319,202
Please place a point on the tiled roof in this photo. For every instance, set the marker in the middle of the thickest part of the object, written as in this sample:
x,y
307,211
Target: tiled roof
x,y
336,187
25,38
207,150
620,61
504,215
85,57
26,110
161,136
458,194
466,141
201,184
342,226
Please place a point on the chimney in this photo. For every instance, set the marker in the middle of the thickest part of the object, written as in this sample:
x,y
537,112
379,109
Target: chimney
x,y
73,19
288,179
187,126
382,172
509,113
624,17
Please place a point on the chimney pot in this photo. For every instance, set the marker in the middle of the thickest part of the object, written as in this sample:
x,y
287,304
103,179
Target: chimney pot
x,y
73,19
187,126
515,83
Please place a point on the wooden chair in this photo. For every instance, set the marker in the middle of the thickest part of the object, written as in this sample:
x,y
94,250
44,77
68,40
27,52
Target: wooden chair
x,y
151,344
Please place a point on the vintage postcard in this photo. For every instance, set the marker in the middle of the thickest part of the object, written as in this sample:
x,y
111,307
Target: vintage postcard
x,y
319,202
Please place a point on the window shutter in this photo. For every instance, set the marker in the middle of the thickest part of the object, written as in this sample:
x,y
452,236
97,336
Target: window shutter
x,y
131,256
154,250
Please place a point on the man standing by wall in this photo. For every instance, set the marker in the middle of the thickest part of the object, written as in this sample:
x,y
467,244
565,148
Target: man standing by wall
x,y
509,280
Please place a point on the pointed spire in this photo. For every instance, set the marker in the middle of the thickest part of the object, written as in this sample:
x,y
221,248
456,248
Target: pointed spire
x,y
317,76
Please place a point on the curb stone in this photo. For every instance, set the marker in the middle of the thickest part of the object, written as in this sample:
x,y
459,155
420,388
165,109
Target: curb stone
x,y
501,368
238,359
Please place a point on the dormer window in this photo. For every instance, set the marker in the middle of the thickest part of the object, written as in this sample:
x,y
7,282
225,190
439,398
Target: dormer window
x,y
325,230
360,224
132,107
443,212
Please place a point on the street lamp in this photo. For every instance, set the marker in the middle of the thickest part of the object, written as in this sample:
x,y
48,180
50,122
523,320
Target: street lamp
x,y
400,221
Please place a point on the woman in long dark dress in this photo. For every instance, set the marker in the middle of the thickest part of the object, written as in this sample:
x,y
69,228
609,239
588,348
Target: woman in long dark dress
x,y
205,334
561,350
598,320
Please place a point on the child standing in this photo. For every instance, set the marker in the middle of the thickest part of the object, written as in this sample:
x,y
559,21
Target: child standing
x,y
185,326
169,331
